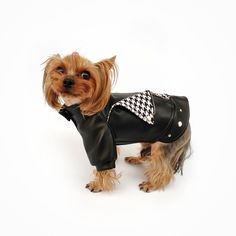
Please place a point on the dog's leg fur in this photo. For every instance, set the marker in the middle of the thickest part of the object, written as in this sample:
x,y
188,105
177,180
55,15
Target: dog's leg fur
x,y
104,181
146,149
137,160
162,163
166,159
158,171
145,154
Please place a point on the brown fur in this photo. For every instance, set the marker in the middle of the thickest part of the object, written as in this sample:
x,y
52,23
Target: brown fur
x,y
104,181
164,161
161,160
137,160
93,94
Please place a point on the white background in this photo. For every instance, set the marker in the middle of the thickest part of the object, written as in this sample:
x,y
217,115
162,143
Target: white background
x,y
176,47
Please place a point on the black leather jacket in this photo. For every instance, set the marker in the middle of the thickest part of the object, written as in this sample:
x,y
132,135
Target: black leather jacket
x,y
127,119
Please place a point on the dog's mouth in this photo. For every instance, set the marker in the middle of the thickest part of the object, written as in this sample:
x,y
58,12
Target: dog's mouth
x,y
66,92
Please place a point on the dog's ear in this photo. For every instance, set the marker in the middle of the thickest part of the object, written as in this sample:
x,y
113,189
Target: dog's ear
x,y
109,63
107,71
108,68
51,97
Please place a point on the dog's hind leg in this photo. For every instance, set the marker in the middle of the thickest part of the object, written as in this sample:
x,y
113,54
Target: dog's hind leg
x,y
158,170
136,160
145,149
144,155
165,161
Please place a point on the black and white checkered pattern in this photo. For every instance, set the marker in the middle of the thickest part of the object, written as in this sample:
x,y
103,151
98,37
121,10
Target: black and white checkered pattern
x,y
162,95
140,104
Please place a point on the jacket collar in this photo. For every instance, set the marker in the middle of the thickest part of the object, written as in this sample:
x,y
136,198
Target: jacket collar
x,y
65,110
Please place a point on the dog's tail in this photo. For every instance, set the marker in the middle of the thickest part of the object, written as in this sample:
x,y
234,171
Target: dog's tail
x,y
183,153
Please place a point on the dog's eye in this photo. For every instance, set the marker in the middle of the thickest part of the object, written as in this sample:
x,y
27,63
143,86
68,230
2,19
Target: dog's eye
x,y
85,75
60,70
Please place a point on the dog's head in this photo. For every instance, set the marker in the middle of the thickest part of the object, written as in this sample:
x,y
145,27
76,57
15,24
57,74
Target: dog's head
x,y
76,80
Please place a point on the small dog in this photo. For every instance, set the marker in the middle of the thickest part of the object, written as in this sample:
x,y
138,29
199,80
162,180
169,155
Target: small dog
x,y
81,91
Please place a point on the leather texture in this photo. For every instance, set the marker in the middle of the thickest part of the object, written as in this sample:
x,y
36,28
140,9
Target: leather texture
x,y
116,125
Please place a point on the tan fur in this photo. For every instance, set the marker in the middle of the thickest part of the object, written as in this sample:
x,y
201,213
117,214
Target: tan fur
x,y
93,94
137,160
144,155
164,161
51,95
101,94
104,181
145,145
158,171
161,161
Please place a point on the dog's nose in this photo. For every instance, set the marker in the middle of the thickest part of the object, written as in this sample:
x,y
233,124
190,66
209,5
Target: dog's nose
x,y
68,82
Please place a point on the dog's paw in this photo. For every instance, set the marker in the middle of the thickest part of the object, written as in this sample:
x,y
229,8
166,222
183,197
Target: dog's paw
x,y
136,160
146,187
93,187
133,160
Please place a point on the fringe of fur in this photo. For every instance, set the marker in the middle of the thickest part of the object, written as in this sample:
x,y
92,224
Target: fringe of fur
x,y
166,160
182,154
159,172
106,179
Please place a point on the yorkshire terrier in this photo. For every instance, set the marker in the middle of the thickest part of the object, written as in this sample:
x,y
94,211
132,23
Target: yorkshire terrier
x,y
80,90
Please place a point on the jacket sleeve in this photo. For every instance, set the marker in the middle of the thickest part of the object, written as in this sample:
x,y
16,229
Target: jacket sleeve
x,y
97,138
98,143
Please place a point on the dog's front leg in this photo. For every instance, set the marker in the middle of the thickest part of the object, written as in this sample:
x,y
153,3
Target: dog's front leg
x,y
104,181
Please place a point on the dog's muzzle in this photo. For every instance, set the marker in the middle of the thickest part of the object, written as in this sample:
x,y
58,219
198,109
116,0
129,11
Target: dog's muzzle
x,y
68,83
